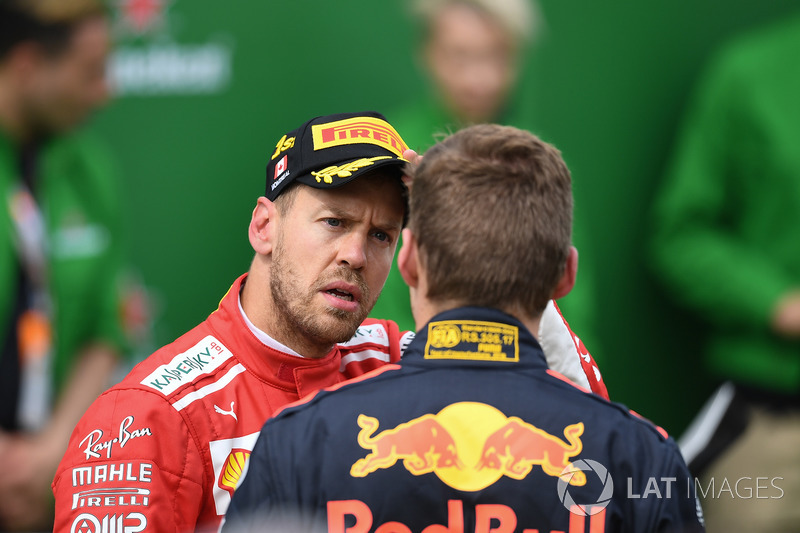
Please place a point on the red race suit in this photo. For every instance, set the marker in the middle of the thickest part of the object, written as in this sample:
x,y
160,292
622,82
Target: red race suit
x,y
164,449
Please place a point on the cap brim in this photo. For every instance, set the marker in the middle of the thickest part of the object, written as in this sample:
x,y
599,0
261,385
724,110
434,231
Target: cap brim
x,y
346,171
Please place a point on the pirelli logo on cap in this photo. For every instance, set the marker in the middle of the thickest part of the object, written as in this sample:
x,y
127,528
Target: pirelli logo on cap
x,y
358,130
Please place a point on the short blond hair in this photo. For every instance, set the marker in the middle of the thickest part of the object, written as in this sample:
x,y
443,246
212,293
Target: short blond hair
x,y
521,19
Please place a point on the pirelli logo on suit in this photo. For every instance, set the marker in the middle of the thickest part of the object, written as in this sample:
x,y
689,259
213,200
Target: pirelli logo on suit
x,y
358,130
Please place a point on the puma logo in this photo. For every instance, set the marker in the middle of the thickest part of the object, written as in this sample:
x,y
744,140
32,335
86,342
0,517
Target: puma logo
x,y
230,413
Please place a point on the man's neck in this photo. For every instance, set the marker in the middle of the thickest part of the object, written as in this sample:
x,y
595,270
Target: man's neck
x,y
425,310
262,335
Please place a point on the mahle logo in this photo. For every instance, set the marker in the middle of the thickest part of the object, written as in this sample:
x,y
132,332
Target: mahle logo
x,y
469,446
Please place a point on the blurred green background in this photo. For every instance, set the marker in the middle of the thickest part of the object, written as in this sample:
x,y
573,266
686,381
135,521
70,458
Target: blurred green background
x,y
607,84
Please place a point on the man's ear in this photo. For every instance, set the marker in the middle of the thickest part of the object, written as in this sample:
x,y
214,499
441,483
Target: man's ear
x,y
408,259
567,281
262,226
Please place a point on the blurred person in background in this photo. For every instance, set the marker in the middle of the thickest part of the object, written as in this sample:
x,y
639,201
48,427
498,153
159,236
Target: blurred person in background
x,y
727,246
59,252
472,53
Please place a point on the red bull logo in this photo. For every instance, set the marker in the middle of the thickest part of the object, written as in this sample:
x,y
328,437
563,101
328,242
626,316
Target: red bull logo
x,y
517,446
469,446
423,444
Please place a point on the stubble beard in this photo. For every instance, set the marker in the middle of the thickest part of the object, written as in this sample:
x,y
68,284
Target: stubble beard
x,y
298,318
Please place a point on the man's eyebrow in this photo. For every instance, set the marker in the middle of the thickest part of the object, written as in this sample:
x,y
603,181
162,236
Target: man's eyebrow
x,y
336,211
383,225
390,226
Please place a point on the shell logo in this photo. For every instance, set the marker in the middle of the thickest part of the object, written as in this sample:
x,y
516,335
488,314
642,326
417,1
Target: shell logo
x,y
232,469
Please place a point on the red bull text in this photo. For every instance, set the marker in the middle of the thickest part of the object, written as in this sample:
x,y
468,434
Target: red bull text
x,y
489,518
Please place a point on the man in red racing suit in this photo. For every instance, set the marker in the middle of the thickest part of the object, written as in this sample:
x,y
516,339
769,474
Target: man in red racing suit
x,y
164,449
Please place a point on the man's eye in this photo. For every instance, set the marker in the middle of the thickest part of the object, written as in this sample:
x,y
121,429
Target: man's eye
x,y
334,222
381,236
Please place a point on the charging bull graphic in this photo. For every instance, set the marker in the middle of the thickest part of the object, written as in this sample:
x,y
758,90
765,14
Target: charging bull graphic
x,y
469,446
517,446
423,444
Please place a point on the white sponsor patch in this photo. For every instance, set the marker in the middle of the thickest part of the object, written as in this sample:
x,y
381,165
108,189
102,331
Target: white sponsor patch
x,y
199,360
220,450
202,392
373,333
363,355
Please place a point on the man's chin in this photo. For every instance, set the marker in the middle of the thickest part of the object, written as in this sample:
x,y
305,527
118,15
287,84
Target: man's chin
x,y
342,324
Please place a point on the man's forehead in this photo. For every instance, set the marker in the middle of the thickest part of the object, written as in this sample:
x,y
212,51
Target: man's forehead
x,y
383,191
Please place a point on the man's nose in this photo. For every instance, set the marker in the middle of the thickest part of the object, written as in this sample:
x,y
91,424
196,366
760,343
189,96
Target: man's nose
x,y
353,251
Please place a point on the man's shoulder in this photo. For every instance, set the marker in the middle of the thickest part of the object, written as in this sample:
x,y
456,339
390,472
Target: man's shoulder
x,y
83,162
330,402
373,330
150,400
372,334
612,415
79,147
760,53
375,342
177,367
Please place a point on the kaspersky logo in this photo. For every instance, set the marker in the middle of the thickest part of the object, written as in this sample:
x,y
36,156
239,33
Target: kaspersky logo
x,y
470,446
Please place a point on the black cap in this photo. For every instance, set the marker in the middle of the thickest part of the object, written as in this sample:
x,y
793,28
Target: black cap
x,y
332,150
